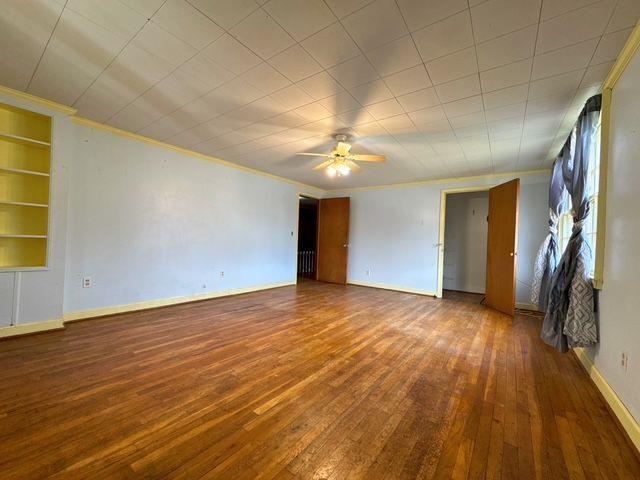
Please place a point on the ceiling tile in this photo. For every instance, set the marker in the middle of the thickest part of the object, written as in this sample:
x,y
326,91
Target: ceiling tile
x,y
498,17
408,81
508,48
445,37
377,23
353,72
320,85
295,63
342,8
163,44
77,53
464,106
25,28
185,22
506,96
356,117
394,56
265,78
292,96
506,76
231,54
260,33
340,103
206,71
563,60
145,7
508,111
625,15
225,13
573,27
420,13
385,109
595,74
113,16
560,84
468,120
428,115
399,125
301,18
419,100
453,66
457,89
372,92
331,46
313,112
610,46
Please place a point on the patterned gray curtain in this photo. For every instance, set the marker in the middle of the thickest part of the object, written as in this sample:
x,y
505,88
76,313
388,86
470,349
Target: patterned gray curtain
x,y
571,320
549,253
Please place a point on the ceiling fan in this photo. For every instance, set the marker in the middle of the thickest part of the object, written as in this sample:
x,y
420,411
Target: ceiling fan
x,y
341,162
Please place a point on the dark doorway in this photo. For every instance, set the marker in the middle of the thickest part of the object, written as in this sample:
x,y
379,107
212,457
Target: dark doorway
x,y
308,238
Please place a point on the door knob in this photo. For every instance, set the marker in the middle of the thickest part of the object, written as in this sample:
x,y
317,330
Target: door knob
x,y
345,245
511,254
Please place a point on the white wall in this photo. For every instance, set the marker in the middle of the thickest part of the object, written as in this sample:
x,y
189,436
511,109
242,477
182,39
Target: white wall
x,y
465,242
39,294
146,224
394,233
619,299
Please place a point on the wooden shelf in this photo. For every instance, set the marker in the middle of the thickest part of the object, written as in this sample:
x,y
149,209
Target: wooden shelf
x,y
24,204
25,164
23,172
9,235
25,140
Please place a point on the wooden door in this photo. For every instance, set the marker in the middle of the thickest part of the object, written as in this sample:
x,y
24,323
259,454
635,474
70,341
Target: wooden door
x,y
502,241
333,240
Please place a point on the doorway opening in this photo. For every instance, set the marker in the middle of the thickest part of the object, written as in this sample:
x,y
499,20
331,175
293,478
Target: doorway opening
x,y
465,245
307,238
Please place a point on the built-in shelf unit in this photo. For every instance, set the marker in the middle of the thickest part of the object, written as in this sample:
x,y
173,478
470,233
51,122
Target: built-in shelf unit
x,y
25,165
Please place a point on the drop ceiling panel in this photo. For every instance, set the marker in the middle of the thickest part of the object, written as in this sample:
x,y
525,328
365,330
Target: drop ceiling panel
x,y
441,88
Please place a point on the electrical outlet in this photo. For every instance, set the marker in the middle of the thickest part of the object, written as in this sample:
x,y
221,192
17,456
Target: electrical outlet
x,y
624,361
221,273
86,282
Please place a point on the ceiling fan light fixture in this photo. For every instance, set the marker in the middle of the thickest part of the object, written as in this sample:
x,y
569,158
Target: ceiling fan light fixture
x,y
331,171
343,169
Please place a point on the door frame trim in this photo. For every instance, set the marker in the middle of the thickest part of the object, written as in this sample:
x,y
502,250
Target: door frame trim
x,y
297,232
443,213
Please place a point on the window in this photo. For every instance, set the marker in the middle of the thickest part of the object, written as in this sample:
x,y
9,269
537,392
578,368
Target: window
x,y
590,226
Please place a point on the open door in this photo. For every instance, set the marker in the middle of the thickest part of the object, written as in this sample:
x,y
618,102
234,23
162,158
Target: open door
x,y
333,240
502,240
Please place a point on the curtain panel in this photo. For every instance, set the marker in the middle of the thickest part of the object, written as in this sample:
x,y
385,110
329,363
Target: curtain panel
x,y
570,320
549,253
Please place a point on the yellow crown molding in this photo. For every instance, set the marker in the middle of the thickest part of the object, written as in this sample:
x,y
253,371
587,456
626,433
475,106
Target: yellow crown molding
x,y
37,100
524,173
185,151
27,328
165,302
623,415
624,57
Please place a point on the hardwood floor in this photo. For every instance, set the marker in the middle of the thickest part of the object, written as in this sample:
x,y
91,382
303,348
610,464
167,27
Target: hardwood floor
x,y
314,381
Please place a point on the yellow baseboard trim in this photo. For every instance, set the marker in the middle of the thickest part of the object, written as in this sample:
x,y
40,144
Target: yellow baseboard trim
x,y
27,328
527,306
395,288
625,418
165,302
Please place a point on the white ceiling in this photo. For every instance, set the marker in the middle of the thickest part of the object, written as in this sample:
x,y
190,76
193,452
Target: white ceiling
x,y
443,88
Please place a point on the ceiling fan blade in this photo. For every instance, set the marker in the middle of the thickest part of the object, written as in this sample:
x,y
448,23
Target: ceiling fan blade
x,y
353,166
367,158
323,165
343,149
315,154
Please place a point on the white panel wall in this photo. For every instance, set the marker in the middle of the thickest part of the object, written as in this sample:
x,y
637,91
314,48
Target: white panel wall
x,y
39,296
146,223
619,299
394,233
465,240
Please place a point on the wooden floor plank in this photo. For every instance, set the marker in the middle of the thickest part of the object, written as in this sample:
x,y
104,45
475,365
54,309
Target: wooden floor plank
x,y
311,381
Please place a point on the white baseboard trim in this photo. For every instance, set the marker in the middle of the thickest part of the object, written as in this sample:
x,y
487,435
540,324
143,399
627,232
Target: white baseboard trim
x,y
391,287
165,302
26,328
527,306
625,418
